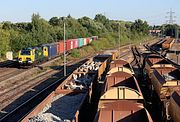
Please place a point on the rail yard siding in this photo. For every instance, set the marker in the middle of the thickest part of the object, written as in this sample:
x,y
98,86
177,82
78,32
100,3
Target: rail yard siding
x,y
74,93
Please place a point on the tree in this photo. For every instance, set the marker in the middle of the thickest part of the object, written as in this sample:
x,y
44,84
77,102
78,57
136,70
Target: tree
x,y
100,18
140,26
6,25
170,30
4,42
54,21
40,30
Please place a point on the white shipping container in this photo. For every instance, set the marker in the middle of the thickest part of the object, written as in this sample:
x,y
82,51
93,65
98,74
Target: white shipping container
x,y
9,55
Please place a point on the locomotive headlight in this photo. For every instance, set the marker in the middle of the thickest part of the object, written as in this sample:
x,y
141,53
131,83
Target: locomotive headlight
x,y
20,60
29,60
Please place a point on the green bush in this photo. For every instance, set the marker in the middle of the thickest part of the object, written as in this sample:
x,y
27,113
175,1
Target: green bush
x,y
75,53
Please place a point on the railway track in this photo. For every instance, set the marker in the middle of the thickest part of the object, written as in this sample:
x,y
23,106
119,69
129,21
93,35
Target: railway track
x,y
7,63
24,86
8,73
19,112
30,84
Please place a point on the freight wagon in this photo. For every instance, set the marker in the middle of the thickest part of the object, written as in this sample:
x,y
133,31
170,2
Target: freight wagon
x,y
114,53
122,111
121,84
120,96
68,101
123,64
154,61
174,105
167,44
164,78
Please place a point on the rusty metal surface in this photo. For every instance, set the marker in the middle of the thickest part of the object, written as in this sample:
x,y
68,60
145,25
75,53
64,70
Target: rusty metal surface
x,y
157,75
40,107
121,79
119,63
124,111
165,70
120,69
176,96
175,105
168,43
169,73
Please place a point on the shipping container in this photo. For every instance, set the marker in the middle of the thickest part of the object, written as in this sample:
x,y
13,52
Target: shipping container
x,y
80,42
94,38
57,45
85,41
51,50
61,47
90,40
75,43
69,44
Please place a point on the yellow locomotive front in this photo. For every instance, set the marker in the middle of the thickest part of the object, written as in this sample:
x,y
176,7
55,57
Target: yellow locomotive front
x,y
26,56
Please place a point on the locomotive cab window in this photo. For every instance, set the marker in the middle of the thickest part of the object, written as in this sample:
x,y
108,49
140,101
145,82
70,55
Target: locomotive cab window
x,y
25,52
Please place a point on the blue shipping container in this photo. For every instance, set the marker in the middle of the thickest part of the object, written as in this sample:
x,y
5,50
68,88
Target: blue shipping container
x,y
52,50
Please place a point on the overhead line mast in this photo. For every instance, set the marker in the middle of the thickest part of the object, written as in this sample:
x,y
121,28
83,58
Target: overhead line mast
x,y
170,17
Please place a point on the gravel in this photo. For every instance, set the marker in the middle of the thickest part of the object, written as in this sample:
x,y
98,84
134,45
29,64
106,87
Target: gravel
x,y
62,109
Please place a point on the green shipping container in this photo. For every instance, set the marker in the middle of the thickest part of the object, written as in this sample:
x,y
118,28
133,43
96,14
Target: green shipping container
x,y
80,42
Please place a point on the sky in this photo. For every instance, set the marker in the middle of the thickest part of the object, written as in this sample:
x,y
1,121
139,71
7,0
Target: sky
x,y
153,11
